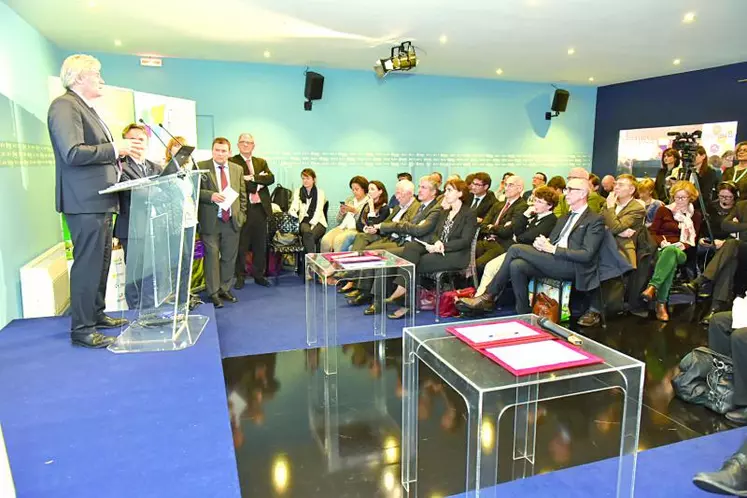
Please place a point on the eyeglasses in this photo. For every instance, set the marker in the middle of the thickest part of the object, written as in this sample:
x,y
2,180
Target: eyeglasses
x,y
726,197
573,189
244,142
681,197
512,185
478,184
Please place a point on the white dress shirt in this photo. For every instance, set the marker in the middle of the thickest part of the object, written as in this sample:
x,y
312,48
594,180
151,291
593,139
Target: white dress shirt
x,y
217,167
563,242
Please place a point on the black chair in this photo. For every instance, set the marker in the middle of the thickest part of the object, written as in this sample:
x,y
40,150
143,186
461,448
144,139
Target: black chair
x,y
285,224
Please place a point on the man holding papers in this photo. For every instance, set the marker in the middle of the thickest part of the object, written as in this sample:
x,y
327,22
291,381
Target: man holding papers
x,y
221,215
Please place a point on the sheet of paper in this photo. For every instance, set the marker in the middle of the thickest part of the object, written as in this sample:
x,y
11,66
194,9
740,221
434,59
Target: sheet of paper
x,y
358,259
491,332
535,354
230,195
364,264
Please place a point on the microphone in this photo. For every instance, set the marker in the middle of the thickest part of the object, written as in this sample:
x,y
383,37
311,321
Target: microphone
x,y
556,329
160,125
152,130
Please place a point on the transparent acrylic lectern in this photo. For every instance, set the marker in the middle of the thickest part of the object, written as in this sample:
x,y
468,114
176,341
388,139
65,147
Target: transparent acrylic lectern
x,y
160,248
490,391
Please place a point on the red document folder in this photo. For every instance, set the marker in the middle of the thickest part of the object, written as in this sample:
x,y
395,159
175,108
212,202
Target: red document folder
x,y
486,334
540,356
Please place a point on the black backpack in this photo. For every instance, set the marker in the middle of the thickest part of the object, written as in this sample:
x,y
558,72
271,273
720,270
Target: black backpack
x,y
282,197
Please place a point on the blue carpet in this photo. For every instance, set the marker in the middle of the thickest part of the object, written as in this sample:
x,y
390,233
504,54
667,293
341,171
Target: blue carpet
x,y
666,471
81,423
271,319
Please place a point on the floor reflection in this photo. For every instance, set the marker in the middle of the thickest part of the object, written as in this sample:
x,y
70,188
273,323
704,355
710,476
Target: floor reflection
x,y
299,432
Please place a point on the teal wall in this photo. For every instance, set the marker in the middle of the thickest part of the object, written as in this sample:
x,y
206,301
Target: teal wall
x,y
28,222
363,125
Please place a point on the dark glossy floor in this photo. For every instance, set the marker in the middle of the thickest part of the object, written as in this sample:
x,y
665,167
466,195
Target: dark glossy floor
x,y
290,442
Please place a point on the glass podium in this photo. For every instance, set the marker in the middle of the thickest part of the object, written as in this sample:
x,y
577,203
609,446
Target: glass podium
x,y
160,248
490,391
322,300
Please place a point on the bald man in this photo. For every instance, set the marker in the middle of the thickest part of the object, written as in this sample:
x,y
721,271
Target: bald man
x,y
497,229
595,201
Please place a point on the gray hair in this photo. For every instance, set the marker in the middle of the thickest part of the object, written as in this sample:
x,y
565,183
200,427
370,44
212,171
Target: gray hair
x,y
405,186
74,67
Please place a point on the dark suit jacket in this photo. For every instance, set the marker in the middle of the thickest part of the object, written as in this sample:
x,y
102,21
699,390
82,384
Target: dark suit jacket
x,y
739,212
85,161
583,244
207,214
421,224
528,229
130,171
457,247
485,205
262,176
505,231
364,239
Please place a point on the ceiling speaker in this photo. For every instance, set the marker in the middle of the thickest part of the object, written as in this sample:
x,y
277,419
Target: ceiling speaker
x,y
314,86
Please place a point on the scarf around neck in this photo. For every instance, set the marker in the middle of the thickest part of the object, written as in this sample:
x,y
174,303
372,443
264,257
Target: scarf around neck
x,y
685,220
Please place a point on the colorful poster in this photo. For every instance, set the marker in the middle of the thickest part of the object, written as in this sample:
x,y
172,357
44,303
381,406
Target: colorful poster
x,y
178,116
639,151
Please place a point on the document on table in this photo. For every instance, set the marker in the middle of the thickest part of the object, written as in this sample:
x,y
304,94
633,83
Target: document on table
x,y
230,195
542,356
361,264
491,333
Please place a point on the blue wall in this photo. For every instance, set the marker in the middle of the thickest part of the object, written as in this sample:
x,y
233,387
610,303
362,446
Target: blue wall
x,y
377,128
707,96
28,222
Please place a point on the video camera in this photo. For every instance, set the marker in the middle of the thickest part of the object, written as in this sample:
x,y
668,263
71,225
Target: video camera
x,y
687,145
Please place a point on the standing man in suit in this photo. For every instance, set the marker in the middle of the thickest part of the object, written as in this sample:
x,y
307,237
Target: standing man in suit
x,y
85,155
220,228
568,254
133,166
482,197
257,177
624,216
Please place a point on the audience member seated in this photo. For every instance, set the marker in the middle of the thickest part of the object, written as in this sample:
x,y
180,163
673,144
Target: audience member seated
x,y
438,179
447,247
570,253
675,230
538,180
557,183
595,201
596,183
347,216
608,185
624,216
500,193
497,229
405,211
401,176
670,159
375,210
731,255
723,339
538,219
308,206
646,197
727,161
737,174
482,198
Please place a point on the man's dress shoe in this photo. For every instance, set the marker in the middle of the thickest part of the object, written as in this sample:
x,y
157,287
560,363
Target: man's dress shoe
x,y
262,281
227,296
92,340
217,302
730,480
239,284
107,322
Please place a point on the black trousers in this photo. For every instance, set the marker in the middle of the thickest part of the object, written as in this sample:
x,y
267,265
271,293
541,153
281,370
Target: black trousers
x,y
522,263
733,343
253,238
91,234
310,236
723,266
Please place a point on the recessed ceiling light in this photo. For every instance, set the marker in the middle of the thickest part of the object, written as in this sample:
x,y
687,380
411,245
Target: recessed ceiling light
x,y
499,71
676,62
591,78
118,43
92,3
267,54
443,39
571,51
689,17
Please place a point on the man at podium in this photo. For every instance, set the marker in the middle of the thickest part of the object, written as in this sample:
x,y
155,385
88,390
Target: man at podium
x,y
85,155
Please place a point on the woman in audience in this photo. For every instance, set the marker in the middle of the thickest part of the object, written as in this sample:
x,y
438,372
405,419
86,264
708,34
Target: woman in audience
x,y
308,206
675,230
448,246
374,212
737,174
645,194
670,159
347,216
707,177
727,160
537,220
557,183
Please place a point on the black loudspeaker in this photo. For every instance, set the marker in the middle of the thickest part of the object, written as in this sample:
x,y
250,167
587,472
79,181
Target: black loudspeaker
x,y
314,86
560,100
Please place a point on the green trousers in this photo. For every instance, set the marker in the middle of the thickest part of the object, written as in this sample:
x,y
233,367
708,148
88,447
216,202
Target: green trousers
x,y
666,266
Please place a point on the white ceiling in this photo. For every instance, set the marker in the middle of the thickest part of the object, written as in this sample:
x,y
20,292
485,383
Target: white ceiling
x,y
614,40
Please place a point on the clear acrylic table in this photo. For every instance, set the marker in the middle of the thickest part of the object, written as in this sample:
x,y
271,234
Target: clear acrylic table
x,y
490,391
322,299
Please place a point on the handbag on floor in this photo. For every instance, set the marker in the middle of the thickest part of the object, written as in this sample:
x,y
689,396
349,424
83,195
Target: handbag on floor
x,y
706,378
546,307
446,303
